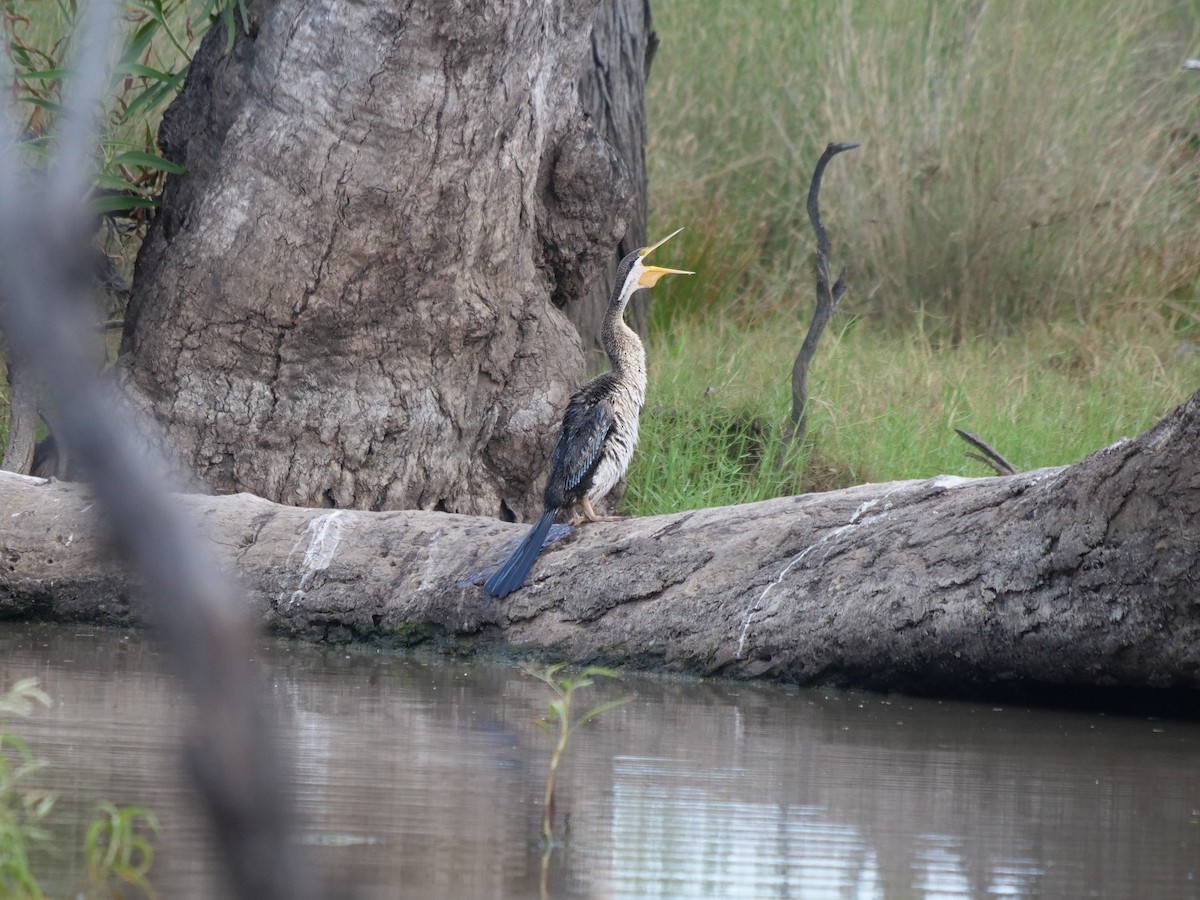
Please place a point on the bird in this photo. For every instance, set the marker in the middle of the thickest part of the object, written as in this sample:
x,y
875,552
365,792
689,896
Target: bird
x,y
599,428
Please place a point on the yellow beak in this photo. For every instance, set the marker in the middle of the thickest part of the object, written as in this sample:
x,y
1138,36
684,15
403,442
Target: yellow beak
x,y
652,273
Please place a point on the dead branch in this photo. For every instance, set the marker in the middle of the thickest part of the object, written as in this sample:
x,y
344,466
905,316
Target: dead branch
x,y
987,454
827,299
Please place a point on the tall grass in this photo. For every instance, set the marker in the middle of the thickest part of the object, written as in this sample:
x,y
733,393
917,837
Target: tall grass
x,y
1019,159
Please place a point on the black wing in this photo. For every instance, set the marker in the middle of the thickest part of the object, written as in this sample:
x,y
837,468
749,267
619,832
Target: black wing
x,y
585,428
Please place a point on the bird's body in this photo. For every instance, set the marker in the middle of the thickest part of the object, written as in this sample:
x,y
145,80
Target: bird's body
x,y
599,429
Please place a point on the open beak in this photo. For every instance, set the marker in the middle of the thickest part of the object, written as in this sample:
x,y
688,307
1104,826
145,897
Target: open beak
x,y
651,274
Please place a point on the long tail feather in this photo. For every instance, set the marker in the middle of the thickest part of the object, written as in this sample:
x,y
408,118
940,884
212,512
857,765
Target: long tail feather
x,y
512,574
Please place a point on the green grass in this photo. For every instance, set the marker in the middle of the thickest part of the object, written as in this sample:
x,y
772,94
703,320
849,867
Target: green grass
x,y
1019,159
884,405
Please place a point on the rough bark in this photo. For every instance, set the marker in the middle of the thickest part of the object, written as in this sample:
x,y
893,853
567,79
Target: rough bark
x,y
344,303
23,420
612,89
1084,575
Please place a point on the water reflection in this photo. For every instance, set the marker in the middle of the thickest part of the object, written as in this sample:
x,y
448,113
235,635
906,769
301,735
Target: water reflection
x,y
423,777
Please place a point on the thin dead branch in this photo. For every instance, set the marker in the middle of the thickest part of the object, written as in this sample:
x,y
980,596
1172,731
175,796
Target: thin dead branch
x,y
987,454
827,299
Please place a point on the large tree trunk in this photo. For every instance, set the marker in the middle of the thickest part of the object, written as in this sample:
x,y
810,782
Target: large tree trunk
x,y
23,418
612,88
1084,575
345,302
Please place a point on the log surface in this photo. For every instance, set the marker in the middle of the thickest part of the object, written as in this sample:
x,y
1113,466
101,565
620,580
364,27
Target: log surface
x,y
1082,575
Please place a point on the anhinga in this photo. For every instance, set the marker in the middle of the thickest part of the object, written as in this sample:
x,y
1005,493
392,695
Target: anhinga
x,y
600,427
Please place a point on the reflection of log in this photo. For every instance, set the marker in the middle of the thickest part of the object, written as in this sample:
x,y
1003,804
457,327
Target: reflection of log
x,y
1083,575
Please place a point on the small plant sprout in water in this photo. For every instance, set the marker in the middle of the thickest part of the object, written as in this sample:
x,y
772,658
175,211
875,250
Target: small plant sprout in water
x,y
559,727
116,850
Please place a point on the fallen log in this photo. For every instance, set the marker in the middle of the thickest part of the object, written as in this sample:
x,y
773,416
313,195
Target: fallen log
x,y
1085,575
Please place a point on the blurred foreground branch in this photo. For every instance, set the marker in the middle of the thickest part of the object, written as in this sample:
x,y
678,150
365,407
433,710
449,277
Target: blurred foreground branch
x,y
49,317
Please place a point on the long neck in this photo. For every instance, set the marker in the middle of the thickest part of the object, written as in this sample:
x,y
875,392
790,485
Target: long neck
x,y
621,343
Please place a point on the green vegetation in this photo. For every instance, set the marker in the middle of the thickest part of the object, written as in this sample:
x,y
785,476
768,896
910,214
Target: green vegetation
x,y
22,808
884,406
1021,226
559,726
116,850
158,38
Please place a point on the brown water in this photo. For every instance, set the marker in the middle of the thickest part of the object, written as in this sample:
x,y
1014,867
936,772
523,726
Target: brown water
x,y
422,777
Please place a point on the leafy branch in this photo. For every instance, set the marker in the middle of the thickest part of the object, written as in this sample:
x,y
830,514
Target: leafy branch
x,y
159,38
558,726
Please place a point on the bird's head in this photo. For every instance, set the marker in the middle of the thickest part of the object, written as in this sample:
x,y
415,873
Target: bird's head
x,y
643,275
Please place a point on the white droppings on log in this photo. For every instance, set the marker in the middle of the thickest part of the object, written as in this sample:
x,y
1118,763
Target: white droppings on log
x,y
324,534
829,537
30,479
327,534
430,570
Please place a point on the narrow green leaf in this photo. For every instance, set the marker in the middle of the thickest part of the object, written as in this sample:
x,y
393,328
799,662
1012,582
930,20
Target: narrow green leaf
x,y
171,78
45,104
138,43
602,708
148,161
113,202
24,55
148,99
600,670
44,805
230,26
45,74
112,182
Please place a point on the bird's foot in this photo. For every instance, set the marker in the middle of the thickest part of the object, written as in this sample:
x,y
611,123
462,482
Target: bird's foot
x,y
584,520
588,514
